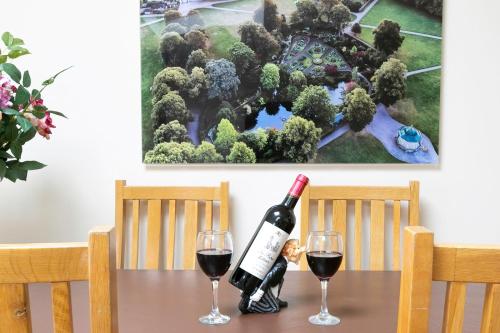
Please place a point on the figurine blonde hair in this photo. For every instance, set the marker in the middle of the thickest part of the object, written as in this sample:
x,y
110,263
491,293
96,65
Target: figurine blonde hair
x,y
292,250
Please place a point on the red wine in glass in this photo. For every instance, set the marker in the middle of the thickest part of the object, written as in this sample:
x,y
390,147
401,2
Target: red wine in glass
x,y
213,262
324,264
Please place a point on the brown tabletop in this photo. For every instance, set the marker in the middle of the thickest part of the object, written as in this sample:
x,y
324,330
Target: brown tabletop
x,y
151,301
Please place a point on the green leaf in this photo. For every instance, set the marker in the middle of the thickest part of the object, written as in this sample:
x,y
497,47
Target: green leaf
x,y
22,96
17,149
39,113
57,113
27,136
24,123
3,58
7,38
26,79
18,53
36,94
3,168
12,71
11,132
17,41
4,154
15,172
31,165
10,111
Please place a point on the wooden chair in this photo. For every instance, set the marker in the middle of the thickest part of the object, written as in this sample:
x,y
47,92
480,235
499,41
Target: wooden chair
x,y
58,264
192,196
377,196
424,262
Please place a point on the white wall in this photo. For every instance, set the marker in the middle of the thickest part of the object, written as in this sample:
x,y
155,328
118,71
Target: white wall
x,y
101,141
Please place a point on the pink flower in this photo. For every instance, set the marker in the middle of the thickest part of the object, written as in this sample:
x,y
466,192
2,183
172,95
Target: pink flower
x,y
44,126
6,92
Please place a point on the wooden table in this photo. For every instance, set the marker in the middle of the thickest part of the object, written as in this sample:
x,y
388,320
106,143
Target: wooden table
x,y
151,301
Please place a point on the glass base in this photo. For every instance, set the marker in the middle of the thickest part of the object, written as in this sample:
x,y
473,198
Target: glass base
x,y
324,319
214,319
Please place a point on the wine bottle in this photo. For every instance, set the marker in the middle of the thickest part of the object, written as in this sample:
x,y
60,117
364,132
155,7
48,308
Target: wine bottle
x,y
267,241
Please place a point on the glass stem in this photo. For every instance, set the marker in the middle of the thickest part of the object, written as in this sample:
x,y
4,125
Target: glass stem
x,y
215,294
324,291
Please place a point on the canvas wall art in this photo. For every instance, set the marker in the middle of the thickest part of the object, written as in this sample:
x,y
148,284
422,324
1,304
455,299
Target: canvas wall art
x,y
285,81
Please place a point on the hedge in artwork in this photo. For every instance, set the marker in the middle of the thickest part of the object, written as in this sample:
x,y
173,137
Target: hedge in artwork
x,y
240,153
358,109
299,139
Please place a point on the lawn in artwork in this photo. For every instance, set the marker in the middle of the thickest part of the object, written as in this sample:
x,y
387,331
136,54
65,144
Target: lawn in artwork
x,y
284,81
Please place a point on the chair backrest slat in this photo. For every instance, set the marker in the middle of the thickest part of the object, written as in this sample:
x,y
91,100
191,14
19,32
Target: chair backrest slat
x,y
454,307
154,234
208,215
321,214
457,265
377,196
171,234
190,232
377,245
14,308
396,235
62,317
358,231
192,197
490,322
59,264
340,224
134,253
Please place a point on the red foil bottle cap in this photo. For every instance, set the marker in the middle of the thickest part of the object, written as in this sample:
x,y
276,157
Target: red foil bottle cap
x,y
298,186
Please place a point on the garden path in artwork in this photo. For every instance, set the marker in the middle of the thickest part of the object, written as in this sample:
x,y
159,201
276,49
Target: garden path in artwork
x,y
384,128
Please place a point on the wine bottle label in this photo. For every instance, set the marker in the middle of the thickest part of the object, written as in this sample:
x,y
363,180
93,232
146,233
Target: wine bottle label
x,y
264,250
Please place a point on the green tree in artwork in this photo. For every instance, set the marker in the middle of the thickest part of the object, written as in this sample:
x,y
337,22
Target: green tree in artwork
x,y
172,131
297,83
171,152
197,58
387,37
169,79
196,40
240,153
243,58
260,40
314,104
358,109
206,153
299,139
223,82
170,107
172,16
226,112
197,82
226,137
389,81
255,140
333,16
270,77
173,49
175,27
305,14
268,15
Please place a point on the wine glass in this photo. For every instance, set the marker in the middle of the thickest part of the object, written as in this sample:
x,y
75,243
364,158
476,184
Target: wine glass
x,y
214,250
324,256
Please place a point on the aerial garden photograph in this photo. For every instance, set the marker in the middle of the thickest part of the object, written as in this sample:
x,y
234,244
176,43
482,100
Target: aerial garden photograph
x,y
284,81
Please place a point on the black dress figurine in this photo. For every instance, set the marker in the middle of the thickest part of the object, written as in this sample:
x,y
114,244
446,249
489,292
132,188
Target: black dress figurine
x,y
266,298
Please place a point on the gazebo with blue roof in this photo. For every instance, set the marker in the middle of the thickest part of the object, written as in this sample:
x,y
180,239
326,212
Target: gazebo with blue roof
x,y
409,139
